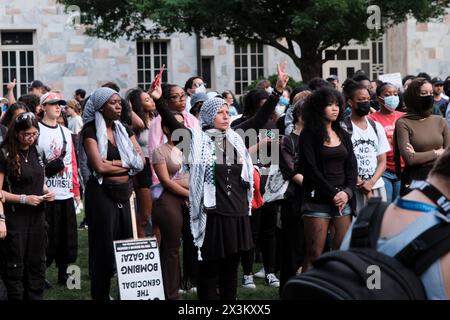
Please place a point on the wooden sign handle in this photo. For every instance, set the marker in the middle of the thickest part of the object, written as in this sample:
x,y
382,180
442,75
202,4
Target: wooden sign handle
x,y
133,215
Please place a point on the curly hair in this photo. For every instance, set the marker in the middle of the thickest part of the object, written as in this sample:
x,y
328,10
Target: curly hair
x,y
350,86
11,143
314,113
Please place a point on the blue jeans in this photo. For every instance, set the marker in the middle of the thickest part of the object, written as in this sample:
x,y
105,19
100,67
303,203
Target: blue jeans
x,y
392,185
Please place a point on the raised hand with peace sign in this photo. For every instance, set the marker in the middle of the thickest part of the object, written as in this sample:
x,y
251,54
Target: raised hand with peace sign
x,y
282,77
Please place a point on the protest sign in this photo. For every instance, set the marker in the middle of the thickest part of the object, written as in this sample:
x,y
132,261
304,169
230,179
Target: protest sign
x,y
139,269
138,266
394,78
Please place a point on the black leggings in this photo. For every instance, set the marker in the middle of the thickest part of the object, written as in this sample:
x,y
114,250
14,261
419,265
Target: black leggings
x,y
62,233
263,222
24,253
108,221
221,274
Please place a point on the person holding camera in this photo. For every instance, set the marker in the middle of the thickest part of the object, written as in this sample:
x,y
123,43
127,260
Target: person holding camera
x,y
22,224
61,178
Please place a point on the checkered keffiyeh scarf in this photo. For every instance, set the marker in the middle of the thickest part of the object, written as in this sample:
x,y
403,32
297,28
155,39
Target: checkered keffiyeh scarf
x,y
128,154
202,187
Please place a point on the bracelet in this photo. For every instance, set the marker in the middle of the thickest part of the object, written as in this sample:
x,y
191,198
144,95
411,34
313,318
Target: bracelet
x,y
2,217
277,93
23,199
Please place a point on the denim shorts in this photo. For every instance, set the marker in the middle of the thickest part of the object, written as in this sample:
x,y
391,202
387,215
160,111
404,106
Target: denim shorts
x,y
333,214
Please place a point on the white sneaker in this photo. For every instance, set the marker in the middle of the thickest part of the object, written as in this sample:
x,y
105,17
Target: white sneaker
x,y
78,208
272,280
247,282
193,290
261,274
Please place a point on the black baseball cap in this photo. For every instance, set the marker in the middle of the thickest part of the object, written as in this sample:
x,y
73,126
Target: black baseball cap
x,y
437,81
36,84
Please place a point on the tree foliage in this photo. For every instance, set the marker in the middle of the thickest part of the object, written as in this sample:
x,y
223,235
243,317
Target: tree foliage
x,y
311,25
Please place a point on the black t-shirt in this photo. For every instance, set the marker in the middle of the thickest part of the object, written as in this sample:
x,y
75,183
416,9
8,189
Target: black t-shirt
x,y
30,181
89,131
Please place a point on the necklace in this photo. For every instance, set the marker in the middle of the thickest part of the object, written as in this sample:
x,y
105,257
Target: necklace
x,y
25,157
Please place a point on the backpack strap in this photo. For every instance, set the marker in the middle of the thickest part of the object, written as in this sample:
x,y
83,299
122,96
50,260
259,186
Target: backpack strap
x,y
373,124
366,229
41,155
347,125
63,150
428,247
441,201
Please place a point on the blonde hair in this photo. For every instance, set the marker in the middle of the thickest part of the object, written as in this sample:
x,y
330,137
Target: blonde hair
x,y
75,105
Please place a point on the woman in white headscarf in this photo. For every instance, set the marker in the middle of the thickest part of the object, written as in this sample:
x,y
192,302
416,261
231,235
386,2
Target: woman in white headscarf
x,y
113,156
220,190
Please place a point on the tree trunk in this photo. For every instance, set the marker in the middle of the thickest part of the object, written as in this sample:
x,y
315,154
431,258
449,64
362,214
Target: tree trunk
x,y
310,67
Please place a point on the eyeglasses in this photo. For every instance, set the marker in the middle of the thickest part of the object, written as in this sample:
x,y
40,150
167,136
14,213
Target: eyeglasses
x,y
24,116
27,135
198,85
178,97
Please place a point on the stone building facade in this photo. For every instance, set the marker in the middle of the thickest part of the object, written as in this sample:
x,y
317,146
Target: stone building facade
x,y
65,59
37,42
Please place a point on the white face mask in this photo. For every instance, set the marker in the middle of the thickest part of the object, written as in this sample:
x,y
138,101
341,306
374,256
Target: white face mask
x,y
201,89
279,109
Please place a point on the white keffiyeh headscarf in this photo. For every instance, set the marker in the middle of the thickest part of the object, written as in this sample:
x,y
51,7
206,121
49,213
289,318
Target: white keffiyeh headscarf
x,y
202,188
128,154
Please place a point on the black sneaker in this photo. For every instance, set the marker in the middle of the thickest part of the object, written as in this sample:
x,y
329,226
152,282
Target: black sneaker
x,y
83,225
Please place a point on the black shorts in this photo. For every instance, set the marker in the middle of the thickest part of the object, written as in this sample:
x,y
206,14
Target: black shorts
x,y
144,178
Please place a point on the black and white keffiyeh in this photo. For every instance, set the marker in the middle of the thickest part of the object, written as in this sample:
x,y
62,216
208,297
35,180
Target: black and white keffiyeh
x,y
202,187
129,156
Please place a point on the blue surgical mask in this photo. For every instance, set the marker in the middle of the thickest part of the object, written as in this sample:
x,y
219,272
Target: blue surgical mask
x,y
391,102
283,101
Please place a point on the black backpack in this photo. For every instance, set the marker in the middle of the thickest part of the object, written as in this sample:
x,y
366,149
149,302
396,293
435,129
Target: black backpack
x,y
344,275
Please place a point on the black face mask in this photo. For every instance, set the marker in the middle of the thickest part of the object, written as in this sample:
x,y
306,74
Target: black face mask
x,y
426,103
363,108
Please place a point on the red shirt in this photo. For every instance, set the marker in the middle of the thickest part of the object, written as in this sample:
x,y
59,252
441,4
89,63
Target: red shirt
x,y
388,122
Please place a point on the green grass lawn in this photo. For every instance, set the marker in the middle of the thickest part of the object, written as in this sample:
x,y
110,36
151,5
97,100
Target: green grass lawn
x,y
57,292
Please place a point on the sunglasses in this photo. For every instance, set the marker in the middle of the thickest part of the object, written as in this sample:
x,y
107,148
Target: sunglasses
x,y
25,116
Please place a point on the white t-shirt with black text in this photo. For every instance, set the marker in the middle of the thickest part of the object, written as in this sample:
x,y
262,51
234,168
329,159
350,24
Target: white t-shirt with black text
x,y
51,143
367,146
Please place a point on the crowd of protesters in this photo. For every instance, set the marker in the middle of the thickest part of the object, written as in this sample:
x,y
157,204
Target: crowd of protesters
x,y
280,178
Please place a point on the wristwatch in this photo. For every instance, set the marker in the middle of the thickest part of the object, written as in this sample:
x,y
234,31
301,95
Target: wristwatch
x,y
2,216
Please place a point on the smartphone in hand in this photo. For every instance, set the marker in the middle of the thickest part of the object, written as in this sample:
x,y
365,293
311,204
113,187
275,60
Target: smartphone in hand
x,y
158,77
